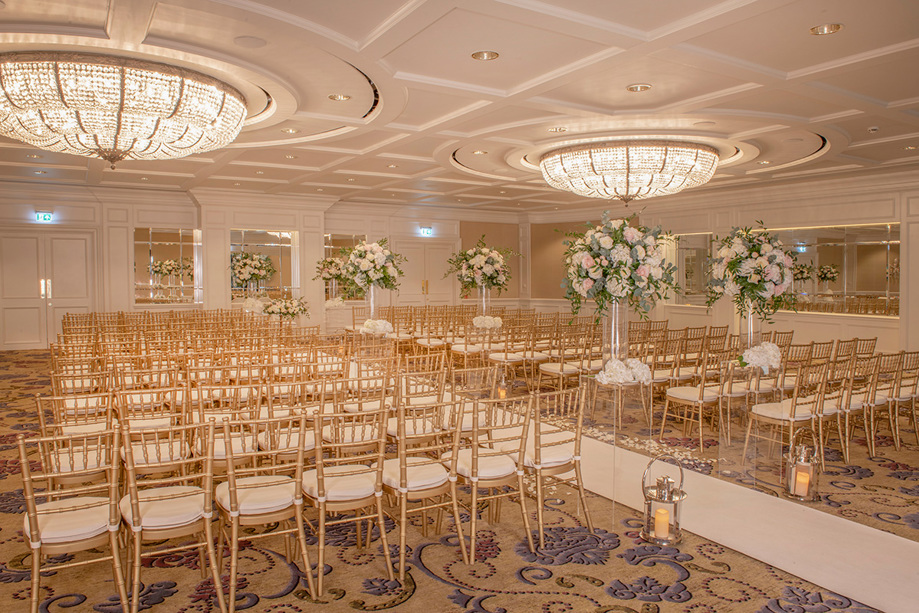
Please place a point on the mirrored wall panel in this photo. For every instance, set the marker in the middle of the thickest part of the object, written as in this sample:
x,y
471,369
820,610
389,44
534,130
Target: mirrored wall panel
x,y
334,243
275,275
164,266
692,253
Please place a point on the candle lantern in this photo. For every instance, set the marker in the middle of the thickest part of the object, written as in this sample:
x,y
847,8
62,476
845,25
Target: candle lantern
x,y
663,500
502,387
802,467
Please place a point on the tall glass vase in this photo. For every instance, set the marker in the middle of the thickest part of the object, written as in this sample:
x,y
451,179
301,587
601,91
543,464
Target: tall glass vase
x,y
751,332
616,332
157,293
484,299
171,292
372,301
333,289
252,288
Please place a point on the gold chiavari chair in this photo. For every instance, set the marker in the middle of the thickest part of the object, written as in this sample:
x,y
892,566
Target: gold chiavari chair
x,y
150,408
793,357
690,402
174,500
783,339
552,453
417,478
865,346
844,349
489,457
81,517
87,382
75,413
884,389
905,397
262,489
346,485
665,363
821,352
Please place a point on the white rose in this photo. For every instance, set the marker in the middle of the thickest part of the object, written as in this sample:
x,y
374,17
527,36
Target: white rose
x,y
606,242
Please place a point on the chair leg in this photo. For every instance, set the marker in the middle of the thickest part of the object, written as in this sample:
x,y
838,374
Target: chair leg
x,y
320,569
521,492
539,506
135,579
234,561
456,523
403,520
473,517
381,521
35,580
664,417
583,495
118,571
746,441
304,554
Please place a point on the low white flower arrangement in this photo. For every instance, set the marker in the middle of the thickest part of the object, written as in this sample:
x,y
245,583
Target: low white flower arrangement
x,y
247,267
764,356
376,327
617,372
487,322
166,267
803,272
253,305
334,302
828,272
288,308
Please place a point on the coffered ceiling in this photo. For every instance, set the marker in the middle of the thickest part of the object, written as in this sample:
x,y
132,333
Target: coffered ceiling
x,y
426,124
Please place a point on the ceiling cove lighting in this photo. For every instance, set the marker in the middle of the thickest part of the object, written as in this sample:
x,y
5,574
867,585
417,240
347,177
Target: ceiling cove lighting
x,y
115,108
629,170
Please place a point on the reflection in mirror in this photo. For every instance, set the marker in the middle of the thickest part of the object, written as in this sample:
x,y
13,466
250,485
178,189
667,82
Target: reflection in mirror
x,y
847,269
692,255
334,243
164,265
279,248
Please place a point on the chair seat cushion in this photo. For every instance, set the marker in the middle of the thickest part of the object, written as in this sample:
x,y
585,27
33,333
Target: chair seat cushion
x,y
490,466
258,494
288,439
466,348
556,448
430,342
782,410
689,393
558,368
166,507
535,356
74,519
420,473
339,484
508,358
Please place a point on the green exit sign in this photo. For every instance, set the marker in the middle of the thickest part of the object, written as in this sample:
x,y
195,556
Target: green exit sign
x,y
44,216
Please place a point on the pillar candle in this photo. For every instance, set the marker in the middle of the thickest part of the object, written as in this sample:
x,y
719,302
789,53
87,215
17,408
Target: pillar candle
x,y
661,524
802,483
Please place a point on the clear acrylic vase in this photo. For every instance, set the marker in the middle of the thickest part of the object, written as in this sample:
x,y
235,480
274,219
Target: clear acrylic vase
x,y
484,301
616,332
751,333
372,301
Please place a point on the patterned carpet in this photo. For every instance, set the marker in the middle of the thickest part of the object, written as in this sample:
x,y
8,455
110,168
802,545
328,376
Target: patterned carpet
x,y
881,491
609,570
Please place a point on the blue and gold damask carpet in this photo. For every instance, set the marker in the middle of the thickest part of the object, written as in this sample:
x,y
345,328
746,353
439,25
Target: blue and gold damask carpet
x,y
609,570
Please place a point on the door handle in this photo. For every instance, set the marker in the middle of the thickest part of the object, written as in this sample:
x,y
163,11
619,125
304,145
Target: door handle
x,y
41,284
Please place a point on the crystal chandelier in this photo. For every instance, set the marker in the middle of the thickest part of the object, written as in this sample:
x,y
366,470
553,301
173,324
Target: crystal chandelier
x,y
114,108
629,170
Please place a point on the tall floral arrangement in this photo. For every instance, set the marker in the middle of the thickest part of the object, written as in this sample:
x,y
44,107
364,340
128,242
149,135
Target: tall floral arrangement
x,y
166,267
328,269
754,269
617,262
371,264
828,273
803,272
481,266
247,267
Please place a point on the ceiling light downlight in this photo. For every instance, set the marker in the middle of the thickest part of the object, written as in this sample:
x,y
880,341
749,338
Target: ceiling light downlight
x,y
115,108
485,56
826,28
629,170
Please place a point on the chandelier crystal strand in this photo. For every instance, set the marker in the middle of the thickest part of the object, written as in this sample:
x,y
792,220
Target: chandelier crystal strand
x,y
115,108
629,170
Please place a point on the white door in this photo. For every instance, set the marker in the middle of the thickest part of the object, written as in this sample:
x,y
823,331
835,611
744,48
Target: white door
x,y
42,277
423,282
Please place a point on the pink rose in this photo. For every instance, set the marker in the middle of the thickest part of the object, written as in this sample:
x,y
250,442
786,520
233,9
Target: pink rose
x,y
587,262
631,235
588,283
643,271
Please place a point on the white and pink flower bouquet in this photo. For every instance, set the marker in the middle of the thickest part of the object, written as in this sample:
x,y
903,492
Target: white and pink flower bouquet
x,y
286,308
617,372
247,267
371,264
754,270
828,273
481,266
617,261
166,267
328,269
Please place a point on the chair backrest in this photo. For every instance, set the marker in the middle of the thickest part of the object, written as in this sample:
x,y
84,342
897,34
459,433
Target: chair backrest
x,y
474,382
425,434
151,407
844,349
563,409
886,382
821,352
346,443
137,379
909,375
234,402
782,339
75,413
865,346
499,428
83,466
809,385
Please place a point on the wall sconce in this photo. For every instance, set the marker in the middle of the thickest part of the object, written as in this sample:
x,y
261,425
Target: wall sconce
x,y
662,506
427,231
44,216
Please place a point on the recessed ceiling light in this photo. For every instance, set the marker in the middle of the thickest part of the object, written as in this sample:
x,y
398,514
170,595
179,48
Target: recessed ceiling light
x,y
144,178
485,56
503,191
34,156
910,147
319,189
351,180
459,199
393,166
479,152
290,130
290,157
558,129
764,162
827,28
40,172
339,97
249,42
638,87
259,172
703,124
236,184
